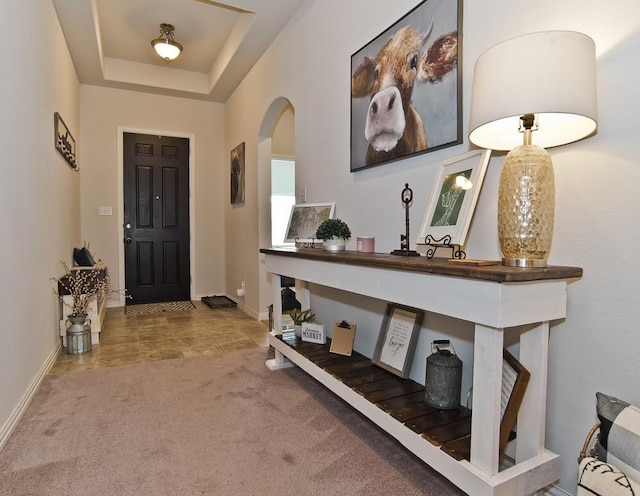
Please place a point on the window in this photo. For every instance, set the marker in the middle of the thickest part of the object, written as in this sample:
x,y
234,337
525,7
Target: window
x,y
283,196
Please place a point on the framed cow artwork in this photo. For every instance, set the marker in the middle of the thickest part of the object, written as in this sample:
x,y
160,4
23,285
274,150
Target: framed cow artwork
x,y
406,87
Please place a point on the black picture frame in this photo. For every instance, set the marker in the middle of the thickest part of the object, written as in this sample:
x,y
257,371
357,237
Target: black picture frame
x,y
435,94
397,339
64,142
237,166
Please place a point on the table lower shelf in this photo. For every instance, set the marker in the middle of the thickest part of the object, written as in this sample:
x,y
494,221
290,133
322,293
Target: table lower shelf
x,y
441,438
403,399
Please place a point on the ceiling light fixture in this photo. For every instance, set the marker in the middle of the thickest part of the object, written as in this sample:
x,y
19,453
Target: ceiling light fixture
x,y
165,46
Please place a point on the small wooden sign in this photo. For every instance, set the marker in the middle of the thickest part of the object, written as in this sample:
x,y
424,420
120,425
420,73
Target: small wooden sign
x,y
344,333
313,333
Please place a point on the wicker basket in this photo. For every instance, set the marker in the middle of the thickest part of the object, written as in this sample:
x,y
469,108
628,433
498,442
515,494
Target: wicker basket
x,y
590,446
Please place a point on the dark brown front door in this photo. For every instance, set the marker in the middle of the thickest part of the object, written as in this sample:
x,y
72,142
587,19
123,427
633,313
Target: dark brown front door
x,y
156,218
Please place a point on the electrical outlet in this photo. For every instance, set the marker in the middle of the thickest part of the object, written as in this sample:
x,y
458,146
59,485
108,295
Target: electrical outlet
x,y
303,194
105,211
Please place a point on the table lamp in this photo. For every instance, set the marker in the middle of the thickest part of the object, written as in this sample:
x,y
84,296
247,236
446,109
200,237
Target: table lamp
x,y
538,88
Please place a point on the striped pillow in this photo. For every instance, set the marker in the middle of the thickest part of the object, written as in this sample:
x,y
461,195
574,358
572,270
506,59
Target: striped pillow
x,y
619,441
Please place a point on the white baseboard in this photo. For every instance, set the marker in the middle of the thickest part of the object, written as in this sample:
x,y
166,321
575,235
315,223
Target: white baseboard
x,y
11,423
554,490
249,311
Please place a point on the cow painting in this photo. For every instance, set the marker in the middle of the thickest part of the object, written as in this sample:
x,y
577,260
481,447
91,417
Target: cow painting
x,y
393,127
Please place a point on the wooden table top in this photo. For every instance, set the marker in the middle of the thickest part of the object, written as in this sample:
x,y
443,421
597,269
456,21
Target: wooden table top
x,y
436,266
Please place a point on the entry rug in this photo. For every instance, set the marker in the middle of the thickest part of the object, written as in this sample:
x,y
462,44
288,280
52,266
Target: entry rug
x,y
165,306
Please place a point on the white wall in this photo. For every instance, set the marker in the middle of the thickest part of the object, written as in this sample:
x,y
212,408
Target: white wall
x,y
39,195
283,142
105,113
596,207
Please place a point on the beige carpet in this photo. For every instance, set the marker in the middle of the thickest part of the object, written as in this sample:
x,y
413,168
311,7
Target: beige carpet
x,y
166,306
210,425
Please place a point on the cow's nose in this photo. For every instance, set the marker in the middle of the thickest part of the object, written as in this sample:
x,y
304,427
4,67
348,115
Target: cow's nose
x,y
392,101
374,108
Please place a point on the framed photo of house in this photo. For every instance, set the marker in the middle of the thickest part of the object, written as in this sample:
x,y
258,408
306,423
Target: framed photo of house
x,y
237,174
406,87
397,339
305,219
453,198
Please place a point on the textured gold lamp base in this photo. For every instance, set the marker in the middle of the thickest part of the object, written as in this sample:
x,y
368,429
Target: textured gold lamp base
x,y
524,262
526,203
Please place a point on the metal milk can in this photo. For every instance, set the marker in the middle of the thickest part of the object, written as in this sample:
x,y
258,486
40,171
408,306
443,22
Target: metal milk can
x,y
78,335
444,376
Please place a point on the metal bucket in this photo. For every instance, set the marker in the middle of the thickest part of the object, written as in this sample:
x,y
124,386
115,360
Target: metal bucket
x,y
78,335
444,377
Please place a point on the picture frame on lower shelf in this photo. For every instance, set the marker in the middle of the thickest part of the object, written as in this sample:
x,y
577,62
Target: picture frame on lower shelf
x,y
514,384
397,339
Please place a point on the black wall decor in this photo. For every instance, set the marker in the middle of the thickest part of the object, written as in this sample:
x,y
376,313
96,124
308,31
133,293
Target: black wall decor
x,y
64,142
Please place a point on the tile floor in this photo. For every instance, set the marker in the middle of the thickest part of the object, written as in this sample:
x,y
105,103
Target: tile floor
x,y
127,339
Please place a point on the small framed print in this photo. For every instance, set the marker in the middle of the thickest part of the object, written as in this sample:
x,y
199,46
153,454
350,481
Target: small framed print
x,y
313,333
305,219
397,339
453,199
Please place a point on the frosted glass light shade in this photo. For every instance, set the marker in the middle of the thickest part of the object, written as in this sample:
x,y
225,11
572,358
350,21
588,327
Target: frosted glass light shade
x,y
168,50
550,74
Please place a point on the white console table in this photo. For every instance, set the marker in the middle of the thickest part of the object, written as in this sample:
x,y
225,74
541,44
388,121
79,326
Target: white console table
x,y
495,299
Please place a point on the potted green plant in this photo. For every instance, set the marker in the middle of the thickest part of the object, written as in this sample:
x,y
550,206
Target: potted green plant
x,y
334,234
300,316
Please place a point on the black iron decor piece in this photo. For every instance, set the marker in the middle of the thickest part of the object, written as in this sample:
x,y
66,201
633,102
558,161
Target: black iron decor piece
x,y
443,242
407,198
64,142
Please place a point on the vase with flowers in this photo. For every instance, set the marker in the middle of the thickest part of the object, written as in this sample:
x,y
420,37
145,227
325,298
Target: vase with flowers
x,y
84,285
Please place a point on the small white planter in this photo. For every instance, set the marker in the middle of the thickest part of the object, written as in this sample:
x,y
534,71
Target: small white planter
x,y
334,244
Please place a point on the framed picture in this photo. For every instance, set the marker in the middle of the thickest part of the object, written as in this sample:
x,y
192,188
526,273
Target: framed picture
x,y
305,219
397,339
406,87
453,198
237,174
63,141
514,384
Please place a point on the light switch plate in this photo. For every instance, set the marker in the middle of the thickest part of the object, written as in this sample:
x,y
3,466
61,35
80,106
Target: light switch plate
x,y
105,211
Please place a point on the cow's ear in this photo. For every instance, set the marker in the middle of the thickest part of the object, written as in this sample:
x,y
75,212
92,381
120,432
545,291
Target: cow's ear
x,y
362,79
439,59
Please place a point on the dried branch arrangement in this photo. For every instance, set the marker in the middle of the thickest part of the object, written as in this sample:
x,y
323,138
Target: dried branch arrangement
x,y
85,286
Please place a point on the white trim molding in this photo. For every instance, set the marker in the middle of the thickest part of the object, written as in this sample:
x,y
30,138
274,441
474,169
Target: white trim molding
x,y
11,423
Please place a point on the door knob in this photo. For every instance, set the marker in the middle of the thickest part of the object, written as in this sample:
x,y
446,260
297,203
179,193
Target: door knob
x,y
127,240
